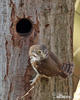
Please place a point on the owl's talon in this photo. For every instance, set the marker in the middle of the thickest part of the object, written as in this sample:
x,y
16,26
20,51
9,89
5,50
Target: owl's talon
x,y
31,82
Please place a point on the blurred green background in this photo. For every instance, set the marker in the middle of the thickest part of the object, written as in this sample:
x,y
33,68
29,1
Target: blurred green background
x,y
76,38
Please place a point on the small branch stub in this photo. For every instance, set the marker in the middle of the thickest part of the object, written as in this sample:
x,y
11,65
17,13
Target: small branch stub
x,y
24,27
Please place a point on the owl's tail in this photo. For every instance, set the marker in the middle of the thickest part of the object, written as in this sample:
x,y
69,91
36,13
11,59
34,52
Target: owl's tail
x,y
67,70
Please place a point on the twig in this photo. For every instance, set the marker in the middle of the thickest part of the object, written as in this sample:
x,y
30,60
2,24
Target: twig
x,y
26,93
76,52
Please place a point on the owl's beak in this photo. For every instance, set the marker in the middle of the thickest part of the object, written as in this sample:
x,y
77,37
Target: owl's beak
x,y
44,55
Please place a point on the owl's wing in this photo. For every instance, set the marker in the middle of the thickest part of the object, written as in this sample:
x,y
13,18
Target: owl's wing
x,y
66,69
55,58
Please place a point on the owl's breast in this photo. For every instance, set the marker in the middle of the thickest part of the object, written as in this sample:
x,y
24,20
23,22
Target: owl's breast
x,y
45,67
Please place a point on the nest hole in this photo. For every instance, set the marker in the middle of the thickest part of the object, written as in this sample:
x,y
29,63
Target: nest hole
x,y
24,27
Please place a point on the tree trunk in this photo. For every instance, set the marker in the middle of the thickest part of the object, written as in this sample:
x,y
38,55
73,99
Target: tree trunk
x,y
56,31
53,20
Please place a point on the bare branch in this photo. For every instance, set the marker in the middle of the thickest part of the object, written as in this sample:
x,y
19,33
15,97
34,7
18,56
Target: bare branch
x,y
20,98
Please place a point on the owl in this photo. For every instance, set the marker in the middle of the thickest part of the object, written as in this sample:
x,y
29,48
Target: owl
x,y
46,64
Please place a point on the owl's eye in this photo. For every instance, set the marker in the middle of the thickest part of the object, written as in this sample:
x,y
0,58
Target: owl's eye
x,y
39,51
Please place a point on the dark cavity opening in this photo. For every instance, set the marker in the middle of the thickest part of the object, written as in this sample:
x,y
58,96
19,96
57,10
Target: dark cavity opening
x,y
24,27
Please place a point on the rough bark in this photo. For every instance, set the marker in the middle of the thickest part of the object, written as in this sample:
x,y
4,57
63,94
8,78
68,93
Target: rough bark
x,y
53,20
56,31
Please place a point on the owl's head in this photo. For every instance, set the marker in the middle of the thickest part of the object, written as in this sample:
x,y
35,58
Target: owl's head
x,y
38,52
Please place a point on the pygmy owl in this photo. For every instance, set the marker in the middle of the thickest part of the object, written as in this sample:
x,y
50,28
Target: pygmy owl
x,y
46,63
